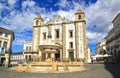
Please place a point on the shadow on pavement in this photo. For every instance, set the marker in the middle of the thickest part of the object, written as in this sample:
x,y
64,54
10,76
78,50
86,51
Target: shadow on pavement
x,y
114,69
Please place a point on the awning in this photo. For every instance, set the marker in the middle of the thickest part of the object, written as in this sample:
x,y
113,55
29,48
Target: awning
x,y
97,56
106,55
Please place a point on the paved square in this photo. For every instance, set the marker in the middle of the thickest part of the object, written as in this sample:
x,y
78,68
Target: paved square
x,y
95,71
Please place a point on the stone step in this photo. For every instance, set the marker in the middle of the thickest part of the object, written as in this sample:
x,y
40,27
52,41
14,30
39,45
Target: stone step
x,y
41,69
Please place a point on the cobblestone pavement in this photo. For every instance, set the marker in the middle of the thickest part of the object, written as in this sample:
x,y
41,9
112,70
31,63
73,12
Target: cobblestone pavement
x,y
95,71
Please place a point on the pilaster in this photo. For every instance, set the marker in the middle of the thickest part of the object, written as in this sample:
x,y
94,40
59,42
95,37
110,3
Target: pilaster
x,y
77,39
64,40
36,38
61,56
84,39
50,30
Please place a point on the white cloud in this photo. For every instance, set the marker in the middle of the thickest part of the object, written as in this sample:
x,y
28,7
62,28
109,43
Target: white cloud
x,y
11,3
3,6
101,14
21,36
68,5
19,21
63,3
28,3
95,37
0,6
67,14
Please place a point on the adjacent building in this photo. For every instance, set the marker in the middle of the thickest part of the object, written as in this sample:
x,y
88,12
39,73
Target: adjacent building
x,y
101,48
6,38
28,53
60,39
113,39
16,58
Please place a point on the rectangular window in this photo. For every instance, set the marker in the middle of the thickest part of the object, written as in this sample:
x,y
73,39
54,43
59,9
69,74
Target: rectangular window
x,y
26,48
0,43
57,33
5,44
70,33
71,44
44,35
30,48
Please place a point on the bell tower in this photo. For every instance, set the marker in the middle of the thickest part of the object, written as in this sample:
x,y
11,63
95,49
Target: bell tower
x,y
37,23
79,15
80,36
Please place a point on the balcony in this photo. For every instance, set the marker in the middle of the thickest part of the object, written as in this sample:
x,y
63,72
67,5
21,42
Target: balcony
x,y
110,40
117,36
30,52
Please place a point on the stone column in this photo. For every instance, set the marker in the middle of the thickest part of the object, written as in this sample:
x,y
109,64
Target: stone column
x,y
77,40
64,40
85,47
61,57
46,55
40,55
53,56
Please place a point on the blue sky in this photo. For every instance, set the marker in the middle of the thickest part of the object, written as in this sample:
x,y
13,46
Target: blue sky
x,y
18,15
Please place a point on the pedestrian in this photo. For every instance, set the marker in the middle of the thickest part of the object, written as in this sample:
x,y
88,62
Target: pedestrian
x,y
92,60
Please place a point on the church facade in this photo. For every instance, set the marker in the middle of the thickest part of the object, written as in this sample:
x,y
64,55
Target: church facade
x,y
60,39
